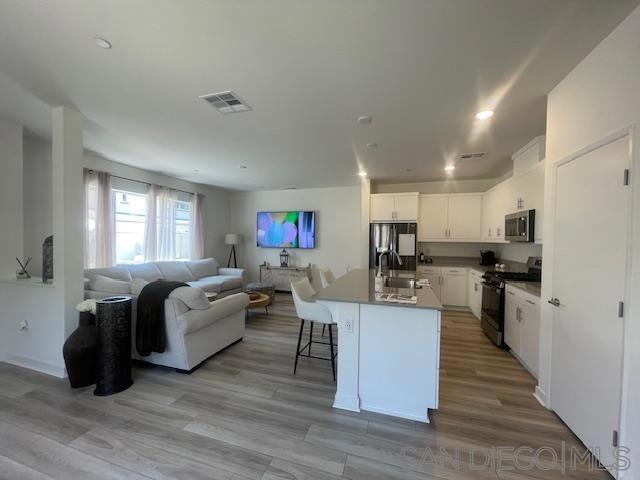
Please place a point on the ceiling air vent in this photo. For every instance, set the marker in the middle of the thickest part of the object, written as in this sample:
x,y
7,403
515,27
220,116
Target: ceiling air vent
x,y
226,102
469,156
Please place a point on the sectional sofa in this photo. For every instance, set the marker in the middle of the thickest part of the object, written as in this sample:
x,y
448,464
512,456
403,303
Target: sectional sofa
x,y
193,335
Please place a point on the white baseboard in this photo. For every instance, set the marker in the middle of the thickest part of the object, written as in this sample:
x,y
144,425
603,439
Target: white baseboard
x,y
541,396
347,402
395,413
38,365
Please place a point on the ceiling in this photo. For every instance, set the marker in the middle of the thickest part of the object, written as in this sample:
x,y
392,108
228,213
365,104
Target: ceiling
x,y
308,68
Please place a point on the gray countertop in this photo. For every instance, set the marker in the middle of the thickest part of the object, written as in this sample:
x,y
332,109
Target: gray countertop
x,y
358,286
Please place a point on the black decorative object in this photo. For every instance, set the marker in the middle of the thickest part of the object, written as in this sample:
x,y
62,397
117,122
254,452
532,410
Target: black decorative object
x,y
284,258
80,352
113,318
47,259
23,273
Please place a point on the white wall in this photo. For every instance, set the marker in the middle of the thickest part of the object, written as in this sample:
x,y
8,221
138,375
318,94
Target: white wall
x,y
446,186
338,228
600,97
37,197
10,198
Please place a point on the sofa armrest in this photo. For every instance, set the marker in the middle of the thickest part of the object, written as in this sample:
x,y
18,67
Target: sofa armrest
x,y
234,272
194,320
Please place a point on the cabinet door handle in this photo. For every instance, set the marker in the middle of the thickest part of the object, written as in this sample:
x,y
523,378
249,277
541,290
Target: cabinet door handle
x,y
510,293
532,303
475,287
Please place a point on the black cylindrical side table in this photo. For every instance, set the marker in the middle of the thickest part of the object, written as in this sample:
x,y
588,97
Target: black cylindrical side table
x,y
113,319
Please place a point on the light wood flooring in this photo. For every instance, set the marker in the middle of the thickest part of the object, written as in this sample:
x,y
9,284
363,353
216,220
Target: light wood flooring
x,y
243,415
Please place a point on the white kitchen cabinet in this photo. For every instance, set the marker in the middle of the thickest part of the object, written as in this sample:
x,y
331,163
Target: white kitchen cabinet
x,y
433,274
450,217
522,327
400,207
475,292
453,289
382,208
433,217
465,215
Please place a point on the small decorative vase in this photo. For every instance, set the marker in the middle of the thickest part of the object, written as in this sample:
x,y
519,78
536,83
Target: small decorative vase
x,y
80,352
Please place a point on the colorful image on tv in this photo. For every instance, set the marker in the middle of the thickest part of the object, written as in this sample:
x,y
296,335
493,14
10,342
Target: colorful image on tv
x,y
286,229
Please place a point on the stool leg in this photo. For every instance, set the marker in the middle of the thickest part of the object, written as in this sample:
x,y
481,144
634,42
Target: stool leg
x,y
333,360
310,337
295,365
323,326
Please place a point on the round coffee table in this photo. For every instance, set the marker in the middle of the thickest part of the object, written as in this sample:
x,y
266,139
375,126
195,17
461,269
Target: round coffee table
x,y
262,301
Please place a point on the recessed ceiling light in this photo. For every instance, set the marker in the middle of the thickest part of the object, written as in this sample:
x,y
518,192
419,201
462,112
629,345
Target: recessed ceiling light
x,y
102,42
484,114
449,168
362,174
372,145
242,167
365,119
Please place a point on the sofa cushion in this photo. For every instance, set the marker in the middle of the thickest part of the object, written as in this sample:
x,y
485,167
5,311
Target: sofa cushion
x,y
218,283
207,267
194,298
148,271
175,271
117,273
100,283
194,320
137,284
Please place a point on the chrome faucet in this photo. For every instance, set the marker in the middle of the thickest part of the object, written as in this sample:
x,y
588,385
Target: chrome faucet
x,y
384,252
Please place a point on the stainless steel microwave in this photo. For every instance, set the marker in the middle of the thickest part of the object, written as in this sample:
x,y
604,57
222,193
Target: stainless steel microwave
x,y
519,226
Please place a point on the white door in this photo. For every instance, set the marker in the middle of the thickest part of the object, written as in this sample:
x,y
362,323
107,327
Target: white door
x,y
589,261
406,207
454,290
433,212
465,219
382,208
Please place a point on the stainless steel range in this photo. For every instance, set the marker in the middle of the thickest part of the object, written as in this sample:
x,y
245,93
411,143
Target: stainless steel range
x,y
493,293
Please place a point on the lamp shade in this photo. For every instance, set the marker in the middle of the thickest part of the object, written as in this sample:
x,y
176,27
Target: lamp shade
x,y
232,239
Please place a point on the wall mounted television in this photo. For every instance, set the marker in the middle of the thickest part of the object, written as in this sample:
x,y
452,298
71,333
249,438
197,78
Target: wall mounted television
x,y
292,229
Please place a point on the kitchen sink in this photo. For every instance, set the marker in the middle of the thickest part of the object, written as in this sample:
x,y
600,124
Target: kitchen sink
x,y
401,282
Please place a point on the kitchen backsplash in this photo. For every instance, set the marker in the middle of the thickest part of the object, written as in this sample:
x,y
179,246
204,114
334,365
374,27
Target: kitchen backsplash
x,y
515,252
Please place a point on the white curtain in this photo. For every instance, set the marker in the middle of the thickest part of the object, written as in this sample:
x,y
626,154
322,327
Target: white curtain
x,y
99,224
166,216
151,225
197,226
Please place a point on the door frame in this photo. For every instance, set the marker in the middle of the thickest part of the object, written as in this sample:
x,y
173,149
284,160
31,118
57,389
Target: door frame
x,y
544,392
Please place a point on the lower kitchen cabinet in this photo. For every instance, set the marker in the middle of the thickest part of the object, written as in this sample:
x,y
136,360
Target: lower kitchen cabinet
x,y
522,327
448,284
474,292
454,287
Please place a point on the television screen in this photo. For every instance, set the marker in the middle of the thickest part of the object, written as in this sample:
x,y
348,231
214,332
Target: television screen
x,y
286,229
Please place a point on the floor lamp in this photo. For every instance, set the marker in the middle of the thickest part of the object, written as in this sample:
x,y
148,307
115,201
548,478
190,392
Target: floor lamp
x,y
232,239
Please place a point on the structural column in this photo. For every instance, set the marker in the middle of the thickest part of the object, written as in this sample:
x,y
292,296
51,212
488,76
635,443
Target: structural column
x,y
68,211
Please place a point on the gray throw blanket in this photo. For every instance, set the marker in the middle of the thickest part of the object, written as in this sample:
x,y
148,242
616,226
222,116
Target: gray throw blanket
x,y
151,334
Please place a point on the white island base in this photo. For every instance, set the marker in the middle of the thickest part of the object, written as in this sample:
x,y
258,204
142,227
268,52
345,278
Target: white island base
x,y
388,358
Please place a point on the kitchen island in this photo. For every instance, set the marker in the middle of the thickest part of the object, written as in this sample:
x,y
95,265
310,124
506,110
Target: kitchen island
x,y
388,353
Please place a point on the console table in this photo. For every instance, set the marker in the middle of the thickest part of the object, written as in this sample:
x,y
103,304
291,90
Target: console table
x,y
282,277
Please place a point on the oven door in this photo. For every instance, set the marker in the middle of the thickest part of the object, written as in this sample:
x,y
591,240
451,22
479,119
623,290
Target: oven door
x,y
492,315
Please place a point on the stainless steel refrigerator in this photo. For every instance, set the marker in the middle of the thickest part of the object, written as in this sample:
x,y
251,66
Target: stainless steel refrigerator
x,y
400,237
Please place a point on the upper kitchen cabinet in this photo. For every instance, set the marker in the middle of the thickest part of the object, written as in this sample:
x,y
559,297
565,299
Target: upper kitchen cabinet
x,y
394,207
523,191
433,217
450,217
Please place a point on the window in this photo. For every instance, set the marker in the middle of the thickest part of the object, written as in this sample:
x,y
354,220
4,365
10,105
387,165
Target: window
x,y
131,214
183,230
